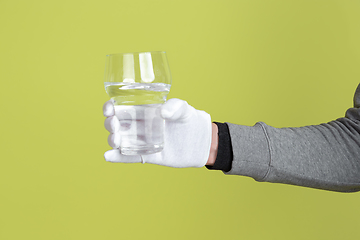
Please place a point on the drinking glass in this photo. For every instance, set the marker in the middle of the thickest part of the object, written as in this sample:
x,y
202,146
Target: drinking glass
x,y
138,84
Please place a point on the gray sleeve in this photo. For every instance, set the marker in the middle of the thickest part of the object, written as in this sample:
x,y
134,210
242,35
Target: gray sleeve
x,y
325,156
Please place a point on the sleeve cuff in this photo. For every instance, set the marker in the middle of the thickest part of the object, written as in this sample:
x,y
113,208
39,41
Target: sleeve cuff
x,y
224,155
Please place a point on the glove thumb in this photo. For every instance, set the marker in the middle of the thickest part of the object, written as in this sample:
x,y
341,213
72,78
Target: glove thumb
x,y
175,109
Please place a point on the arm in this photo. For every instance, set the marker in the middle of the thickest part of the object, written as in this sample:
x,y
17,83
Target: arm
x,y
325,156
214,145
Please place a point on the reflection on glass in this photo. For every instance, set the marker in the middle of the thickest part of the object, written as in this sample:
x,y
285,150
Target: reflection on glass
x,y
146,68
128,68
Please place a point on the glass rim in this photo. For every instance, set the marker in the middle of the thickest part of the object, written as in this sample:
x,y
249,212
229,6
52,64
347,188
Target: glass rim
x,y
114,54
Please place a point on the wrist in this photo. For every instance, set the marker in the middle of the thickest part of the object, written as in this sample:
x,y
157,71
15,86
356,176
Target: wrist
x,y
214,145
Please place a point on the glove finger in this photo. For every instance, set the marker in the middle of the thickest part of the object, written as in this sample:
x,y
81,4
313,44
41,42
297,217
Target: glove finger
x,y
115,156
108,109
175,109
155,158
114,140
112,124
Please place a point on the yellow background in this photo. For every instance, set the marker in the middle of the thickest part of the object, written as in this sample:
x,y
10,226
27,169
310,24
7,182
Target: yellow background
x,y
287,63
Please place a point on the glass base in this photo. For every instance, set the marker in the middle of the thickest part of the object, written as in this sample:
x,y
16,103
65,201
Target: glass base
x,y
142,150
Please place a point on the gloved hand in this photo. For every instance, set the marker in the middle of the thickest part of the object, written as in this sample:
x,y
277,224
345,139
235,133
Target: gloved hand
x,y
187,137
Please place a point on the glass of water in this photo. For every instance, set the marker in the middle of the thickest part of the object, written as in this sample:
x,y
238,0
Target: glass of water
x,y
138,84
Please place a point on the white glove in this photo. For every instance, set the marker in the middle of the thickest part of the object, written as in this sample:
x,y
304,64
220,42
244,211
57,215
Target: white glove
x,y
187,137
